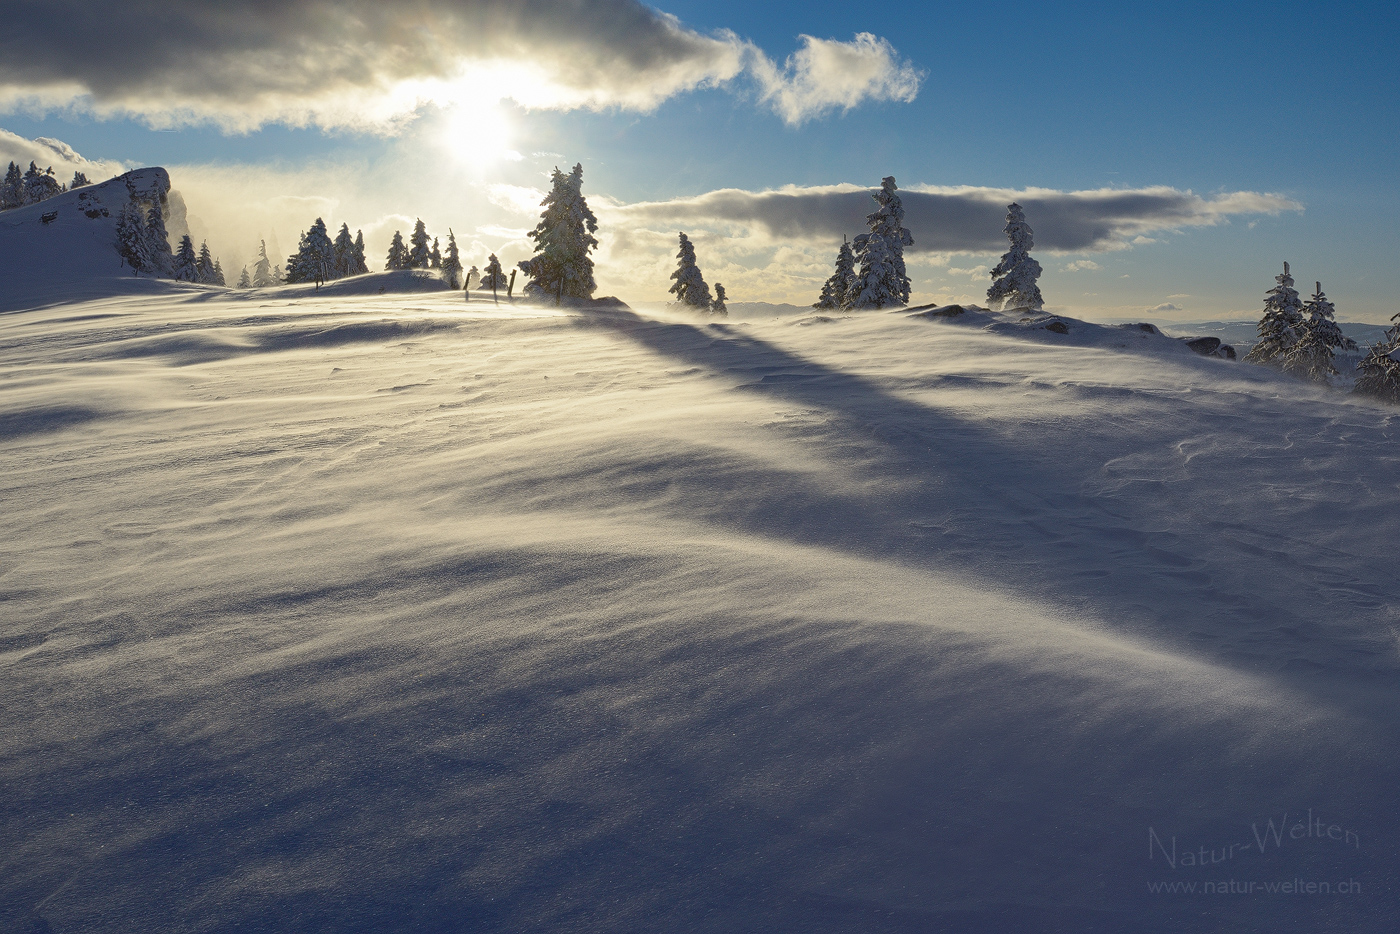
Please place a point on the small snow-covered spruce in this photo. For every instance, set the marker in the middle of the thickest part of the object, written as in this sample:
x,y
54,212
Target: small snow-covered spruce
x,y
12,190
834,289
1311,357
561,267
217,277
493,277
244,280
360,266
452,262
40,186
79,181
158,241
881,280
398,253
1378,376
719,307
314,258
1014,287
343,247
205,264
263,275
186,268
435,256
419,256
473,277
1281,325
131,238
690,288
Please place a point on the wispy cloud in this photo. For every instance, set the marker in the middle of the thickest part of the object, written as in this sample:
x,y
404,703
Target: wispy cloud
x,y
370,64
956,220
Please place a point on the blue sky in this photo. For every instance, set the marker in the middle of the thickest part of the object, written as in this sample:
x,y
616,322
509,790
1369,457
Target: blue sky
x,y
1297,101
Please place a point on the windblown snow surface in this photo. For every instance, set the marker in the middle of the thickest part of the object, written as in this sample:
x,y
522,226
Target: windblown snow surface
x,y
390,613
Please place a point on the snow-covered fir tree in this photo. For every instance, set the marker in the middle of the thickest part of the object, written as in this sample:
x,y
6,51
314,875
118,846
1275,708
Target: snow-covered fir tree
x,y
689,288
435,256
834,289
880,280
217,276
493,277
1014,285
344,249
1378,375
419,256
244,280
360,266
205,264
452,262
186,268
1320,338
263,276
563,239
719,307
314,259
132,243
473,277
1281,325
158,241
12,191
398,253
40,185
79,181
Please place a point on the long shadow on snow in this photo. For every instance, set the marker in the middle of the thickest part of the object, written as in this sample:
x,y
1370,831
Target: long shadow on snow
x,y
961,490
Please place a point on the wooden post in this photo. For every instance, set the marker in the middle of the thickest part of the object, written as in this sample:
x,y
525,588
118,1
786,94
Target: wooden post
x,y
510,289
559,299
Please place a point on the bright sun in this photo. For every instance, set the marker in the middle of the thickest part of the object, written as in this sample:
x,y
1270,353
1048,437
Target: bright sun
x,y
477,137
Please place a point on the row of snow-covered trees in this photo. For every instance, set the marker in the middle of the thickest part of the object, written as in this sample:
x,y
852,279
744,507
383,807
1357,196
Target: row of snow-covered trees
x,y
318,258
200,267
417,254
34,185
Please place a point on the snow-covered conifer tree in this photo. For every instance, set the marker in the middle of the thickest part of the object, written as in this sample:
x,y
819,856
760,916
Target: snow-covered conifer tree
x,y
79,181
262,269
398,253
834,289
158,241
435,256
1280,327
563,238
1015,276
452,262
419,256
12,191
1378,376
719,307
186,268
205,264
473,277
244,280
881,280
360,266
690,288
131,238
217,277
1311,357
493,277
344,253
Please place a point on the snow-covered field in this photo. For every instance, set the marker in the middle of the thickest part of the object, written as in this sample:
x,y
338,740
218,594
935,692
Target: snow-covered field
x,y
361,612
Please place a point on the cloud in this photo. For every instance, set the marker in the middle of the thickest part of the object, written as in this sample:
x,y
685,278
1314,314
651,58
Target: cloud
x,y
1166,306
1082,264
45,152
956,220
826,74
370,64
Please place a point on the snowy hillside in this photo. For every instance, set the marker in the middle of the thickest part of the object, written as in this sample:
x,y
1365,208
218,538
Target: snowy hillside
x,y
383,613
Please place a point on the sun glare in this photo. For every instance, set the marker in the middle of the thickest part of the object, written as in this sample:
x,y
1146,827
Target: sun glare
x,y
477,137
